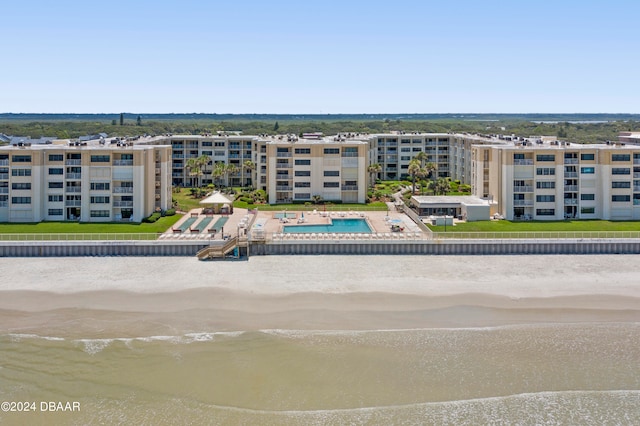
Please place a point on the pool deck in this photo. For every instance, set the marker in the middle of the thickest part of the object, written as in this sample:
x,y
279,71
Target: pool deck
x,y
379,221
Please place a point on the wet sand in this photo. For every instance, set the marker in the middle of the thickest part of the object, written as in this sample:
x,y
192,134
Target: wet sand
x,y
147,296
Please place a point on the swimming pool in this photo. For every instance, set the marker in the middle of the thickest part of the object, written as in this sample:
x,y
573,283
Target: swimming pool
x,y
337,226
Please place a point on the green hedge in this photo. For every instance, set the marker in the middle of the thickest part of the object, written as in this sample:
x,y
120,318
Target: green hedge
x,y
153,218
170,212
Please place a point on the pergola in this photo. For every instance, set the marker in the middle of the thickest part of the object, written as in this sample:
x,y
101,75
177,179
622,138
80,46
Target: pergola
x,y
218,202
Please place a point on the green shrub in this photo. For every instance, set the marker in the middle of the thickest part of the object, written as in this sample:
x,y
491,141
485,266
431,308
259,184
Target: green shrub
x,y
170,212
153,218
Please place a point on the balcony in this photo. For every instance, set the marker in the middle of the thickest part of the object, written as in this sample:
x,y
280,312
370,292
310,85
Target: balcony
x,y
73,203
636,188
523,162
284,188
636,161
176,175
6,203
283,166
4,190
4,176
74,162
519,203
74,189
123,190
349,187
571,174
349,154
123,204
123,162
74,176
570,201
283,155
523,188
570,161
571,188
4,162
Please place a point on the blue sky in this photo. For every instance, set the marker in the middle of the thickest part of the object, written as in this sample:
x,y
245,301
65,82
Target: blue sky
x,y
320,56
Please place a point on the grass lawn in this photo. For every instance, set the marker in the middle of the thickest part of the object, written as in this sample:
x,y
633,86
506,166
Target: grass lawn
x,y
540,226
185,201
161,225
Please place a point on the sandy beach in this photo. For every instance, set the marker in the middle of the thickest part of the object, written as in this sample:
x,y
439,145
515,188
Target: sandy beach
x,y
169,295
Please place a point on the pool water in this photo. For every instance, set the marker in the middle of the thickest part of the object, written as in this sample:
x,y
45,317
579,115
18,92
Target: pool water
x,y
337,226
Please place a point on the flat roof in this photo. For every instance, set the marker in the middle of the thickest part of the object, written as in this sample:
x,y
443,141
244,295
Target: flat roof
x,y
430,200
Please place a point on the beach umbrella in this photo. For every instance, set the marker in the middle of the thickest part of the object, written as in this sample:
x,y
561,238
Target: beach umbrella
x,y
302,216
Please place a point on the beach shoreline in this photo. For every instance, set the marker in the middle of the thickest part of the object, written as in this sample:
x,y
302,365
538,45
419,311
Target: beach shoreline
x,y
151,296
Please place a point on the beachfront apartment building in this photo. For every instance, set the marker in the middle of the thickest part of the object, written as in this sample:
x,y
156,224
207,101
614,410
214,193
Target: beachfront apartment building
x,y
90,181
547,179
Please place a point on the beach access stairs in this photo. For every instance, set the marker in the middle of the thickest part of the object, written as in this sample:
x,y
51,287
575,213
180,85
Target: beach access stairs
x,y
220,251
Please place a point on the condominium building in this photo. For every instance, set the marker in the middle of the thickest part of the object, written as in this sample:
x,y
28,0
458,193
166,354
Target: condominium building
x,y
553,180
90,181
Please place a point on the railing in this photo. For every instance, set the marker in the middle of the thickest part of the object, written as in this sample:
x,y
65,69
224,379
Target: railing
x,y
523,162
538,235
571,174
570,201
74,162
123,204
283,155
636,175
284,188
4,204
74,176
122,190
364,238
4,162
636,188
522,188
123,162
523,202
349,154
73,189
635,161
4,190
349,187
571,188
570,161
283,166
80,237
4,176
73,203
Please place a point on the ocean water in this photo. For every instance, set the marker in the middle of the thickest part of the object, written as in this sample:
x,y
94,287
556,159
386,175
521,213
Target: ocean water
x,y
570,373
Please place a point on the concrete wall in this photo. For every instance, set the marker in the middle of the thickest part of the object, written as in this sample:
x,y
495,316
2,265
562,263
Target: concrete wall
x,y
97,248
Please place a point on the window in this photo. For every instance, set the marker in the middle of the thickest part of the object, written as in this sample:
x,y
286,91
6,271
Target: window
x,y
56,157
55,212
518,156
545,185
405,140
620,171
99,213
302,162
617,184
545,212
100,200
219,153
620,198
620,157
56,198
587,197
405,158
303,185
545,157
331,151
207,153
587,170
303,196
21,200
545,171
587,157
100,159
207,143
332,172
56,185
545,198
416,149
103,186
20,172
21,185
405,149
332,184
587,210
303,151
56,171
303,173
21,158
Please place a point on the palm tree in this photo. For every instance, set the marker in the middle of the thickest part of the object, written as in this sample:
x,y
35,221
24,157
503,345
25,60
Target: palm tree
x,y
421,157
203,162
218,171
248,165
413,170
430,170
442,186
230,169
374,169
194,168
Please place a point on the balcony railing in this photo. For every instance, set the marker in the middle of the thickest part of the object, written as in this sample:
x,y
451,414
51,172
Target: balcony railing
x,y
349,187
570,161
284,188
283,155
4,204
74,189
4,176
349,154
636,161
123,190
571,188
571,174
123,162
4,190
523,202
523,162
123,204
4,162
74,176
73,203
73,162
523,188
636,188
570,201
283,166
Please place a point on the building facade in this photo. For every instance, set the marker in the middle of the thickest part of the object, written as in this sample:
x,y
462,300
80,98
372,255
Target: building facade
x,y
89,181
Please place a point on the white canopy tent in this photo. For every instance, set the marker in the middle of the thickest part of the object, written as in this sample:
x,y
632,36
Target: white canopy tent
x,y
218,201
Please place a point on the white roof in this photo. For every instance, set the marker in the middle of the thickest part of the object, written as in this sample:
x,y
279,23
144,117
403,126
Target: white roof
x,y
216,198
